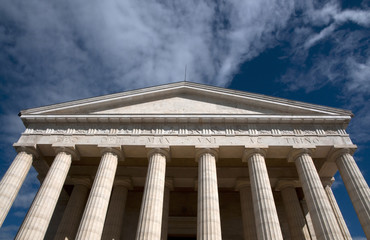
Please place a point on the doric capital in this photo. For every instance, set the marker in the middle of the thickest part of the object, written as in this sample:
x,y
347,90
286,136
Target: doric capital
x,y
328,181
297,152
338,151
284,183
28,148
242,183
116,150
164,151
71,150
79,180
123,181
200,151
248,152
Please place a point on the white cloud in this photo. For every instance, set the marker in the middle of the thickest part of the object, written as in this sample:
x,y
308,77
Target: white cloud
x,y
343,58
74,49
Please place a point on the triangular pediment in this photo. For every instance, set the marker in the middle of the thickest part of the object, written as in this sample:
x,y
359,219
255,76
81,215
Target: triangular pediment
x,y
186,104
185,99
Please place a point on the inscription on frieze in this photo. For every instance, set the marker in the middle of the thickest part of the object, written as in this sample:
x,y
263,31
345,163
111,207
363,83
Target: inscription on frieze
x,y
182,140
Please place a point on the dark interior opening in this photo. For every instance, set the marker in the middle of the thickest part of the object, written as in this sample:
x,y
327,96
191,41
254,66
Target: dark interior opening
x,y
181,238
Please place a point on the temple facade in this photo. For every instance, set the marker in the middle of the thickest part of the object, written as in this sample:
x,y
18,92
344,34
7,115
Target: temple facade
x,y
185,161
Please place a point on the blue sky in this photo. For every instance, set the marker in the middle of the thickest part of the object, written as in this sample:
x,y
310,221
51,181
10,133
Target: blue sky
x,y
311,51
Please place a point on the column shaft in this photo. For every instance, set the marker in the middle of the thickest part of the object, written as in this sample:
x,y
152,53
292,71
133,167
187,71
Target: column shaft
x,y
72,214
297,225
342,224
209,223
150,220
324,221
267,221
12,182
38,217
249,225
357,189
308,218
113,223
92,222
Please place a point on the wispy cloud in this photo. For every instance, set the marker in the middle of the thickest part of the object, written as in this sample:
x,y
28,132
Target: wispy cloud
x,y
70,49
331,46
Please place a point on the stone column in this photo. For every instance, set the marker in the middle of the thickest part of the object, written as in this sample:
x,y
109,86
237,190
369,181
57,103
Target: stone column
x,y
246,201
297,225
150,220
38,217
333,202
209,223
116,210
92,222
267,221
68,226
323,218
13,179
308,218
166,205
356,186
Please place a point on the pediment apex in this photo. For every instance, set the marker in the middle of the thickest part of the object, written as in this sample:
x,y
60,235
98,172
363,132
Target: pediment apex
x,y
185,98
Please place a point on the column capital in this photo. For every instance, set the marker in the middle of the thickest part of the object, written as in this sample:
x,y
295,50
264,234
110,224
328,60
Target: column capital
x,y
28,148
114,149
164,150
297,152
199,151
242,183
248,152
71,150
79,180
327,181
337,151
284,183
123,181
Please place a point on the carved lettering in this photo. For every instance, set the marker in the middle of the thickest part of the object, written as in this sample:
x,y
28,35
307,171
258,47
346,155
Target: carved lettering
x,y
207,140
158,140
302,140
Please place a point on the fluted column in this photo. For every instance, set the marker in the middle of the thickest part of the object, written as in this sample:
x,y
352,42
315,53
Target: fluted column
x,y
356,186
166,205
150,220
209,223
297,225
333,202
246,201
13,179
323,218
68,226
267,221
113,223
38,217
308,218
92,222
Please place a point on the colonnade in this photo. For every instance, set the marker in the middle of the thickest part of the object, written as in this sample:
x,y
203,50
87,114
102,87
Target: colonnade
x,y
95,221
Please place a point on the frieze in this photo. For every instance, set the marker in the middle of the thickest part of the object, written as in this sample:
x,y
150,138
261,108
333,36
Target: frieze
x,y
189,129
190,140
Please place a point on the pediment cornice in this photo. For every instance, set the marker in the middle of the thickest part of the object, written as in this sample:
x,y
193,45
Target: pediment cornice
x,y
157,104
